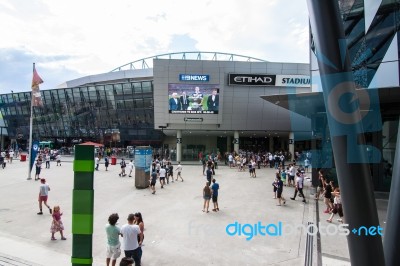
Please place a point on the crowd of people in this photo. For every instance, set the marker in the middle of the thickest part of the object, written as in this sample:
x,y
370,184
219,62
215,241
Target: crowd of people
x,y
162,172
331,194
132,234
7,156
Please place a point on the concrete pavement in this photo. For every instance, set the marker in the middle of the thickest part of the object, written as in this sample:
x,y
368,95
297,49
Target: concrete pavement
x,y
177,232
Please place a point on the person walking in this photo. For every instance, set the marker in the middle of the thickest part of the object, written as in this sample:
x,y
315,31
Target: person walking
x,y
130,233
43,196
130,168
113,244
179,169
279,190
337,206
299,187
321,184
162,173
204,162
2,161
47,159
38,166
58,158
214,189
230,160
57,225
106,162
206,197
153,181
253,168
292,173
328,196
97,162
139,221
170,172
11,153
306,164
274,185
123,166
209,175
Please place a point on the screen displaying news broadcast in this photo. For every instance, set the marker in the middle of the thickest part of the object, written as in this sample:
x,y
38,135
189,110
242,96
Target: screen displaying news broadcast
x,y
193,98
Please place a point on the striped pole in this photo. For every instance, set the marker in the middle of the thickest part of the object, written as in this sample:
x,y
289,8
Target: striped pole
x,y
82,206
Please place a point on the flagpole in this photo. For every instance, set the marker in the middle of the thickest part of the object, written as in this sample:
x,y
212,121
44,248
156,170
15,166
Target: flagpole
x,y
30,134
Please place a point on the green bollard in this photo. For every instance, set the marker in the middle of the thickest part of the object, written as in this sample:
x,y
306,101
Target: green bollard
x,y
82,206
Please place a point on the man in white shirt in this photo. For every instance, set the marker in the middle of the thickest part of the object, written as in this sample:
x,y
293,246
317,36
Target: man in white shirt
x,y
131,233
299,186
162,176
179,169
230,158
292,173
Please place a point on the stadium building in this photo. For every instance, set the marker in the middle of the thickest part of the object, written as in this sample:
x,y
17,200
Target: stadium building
x,y
180,103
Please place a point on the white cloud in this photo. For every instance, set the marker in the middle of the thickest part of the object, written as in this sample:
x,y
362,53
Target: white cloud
x,y
97,36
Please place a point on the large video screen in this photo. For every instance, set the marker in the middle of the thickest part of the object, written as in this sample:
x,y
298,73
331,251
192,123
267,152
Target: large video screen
x,y
193,98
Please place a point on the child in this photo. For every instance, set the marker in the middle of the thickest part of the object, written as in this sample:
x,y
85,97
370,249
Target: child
x,y
57,225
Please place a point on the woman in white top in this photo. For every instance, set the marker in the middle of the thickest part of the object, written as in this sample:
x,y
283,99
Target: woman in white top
x,y
337,206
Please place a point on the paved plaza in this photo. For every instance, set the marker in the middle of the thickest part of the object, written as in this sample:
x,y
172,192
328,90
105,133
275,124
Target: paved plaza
x,y
177,232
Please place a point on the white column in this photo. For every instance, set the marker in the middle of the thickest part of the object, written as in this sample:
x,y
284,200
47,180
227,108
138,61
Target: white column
x,y
178,145
236,141
291,144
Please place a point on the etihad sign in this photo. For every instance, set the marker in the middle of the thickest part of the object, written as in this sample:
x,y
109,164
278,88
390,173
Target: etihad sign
x,y
251,80
269,80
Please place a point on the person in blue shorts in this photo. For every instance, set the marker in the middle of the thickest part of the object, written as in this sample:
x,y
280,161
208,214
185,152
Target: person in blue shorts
x,y
214,189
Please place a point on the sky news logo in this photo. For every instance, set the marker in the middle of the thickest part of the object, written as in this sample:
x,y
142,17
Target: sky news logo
x,y
192,77
281,229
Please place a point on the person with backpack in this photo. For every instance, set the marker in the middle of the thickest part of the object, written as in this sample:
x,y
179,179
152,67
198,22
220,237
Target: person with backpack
x,y
123,166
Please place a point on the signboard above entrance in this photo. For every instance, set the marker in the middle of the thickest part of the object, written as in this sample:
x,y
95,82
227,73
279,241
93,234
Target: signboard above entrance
x,y
194,77
269,80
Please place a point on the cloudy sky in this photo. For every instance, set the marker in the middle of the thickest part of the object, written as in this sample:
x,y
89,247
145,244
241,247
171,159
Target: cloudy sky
x,y
75,38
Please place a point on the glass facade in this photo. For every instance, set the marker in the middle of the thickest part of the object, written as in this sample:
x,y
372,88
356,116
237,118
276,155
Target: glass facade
x,y
367,49
372,35
369,33
95,113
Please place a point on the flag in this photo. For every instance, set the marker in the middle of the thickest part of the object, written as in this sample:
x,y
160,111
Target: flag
x,y
36,80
